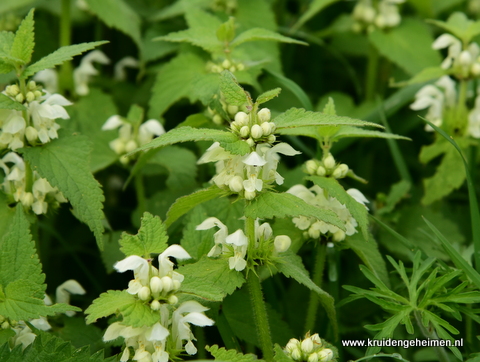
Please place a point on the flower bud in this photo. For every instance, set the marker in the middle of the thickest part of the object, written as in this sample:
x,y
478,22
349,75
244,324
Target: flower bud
x,y
321,171
226,64
37,94
307,345
325,355
329,161
282,243
241,118
311,167
144,293
338,235
233,69
292,344
156,285
317,341
27,199
475,69
340,171
244,131
12,90
251,142
32,85
130,146
314,232
296,354
155,305
31,133
368,14
465,58
256,131
236,184
266,128
264,115
2,319
5,325
240,66
232,109
30,97
313,357
19,98
167,284
217,119
176,284
271,138
172,299
250,195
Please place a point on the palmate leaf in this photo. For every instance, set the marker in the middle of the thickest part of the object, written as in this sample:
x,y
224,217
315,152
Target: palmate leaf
x,y
24,42
58,57
292,267
151,238
65,163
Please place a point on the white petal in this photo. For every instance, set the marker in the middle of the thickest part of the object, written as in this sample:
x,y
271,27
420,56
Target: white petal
x,y
358,196
191,306
58,100
96,56
158,333
120,73
41,323
131,262
71,286
190,348
112,122
113,331
153,126
210,223
198,319
421,103
14,125
237,238
254,159
284,149
444,41
176,251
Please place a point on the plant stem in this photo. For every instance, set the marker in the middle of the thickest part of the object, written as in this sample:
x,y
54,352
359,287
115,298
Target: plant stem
x,y
140,192
317,277
66,78
28,177
371,81
254,288
440,351
260,316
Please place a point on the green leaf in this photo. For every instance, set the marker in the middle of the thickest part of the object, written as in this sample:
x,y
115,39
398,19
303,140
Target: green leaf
x,y
87,116
151,238
349,131
314,8
24,42
119,15
197,243
292,267
256,34
425,75
9,5
459,25
210,279
397,192
333,188
280,355
397,46
58,57
227,140
265,97
226,31
232,91
269,205
64,162
292,87
387,328
174,81
8,103
231,355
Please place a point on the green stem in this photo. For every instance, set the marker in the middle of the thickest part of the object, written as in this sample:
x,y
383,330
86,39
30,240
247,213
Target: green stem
x,y
28,177
440,351
317,277
372,70
66,72
260,316
140,192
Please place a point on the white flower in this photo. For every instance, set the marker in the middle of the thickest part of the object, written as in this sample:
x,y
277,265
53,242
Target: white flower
x,y
219,237
64,290
454,48
141,269
165,265
474,120
49,78
119,70
86,70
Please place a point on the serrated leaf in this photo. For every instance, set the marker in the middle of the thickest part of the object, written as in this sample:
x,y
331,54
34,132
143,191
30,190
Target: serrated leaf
x,y
265,97
8,103
291,266
231,355
227,140
314,8
174,81
232,91
111,302
151,238
459,25
210,279
358,210
197,243
24,42
269,205
64,162
349,131
6,67
280,355
397,46
256,34
119,15
139,314
298,117
58,57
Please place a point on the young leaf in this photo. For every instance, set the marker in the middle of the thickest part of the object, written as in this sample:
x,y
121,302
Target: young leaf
x,y
333,188
269,205
265,97
151,238
292,267
64,162
24,42
8,103
118,14
262,34
210,279
111,302
226,31
313,9
349,131
222,354
58,57
232,91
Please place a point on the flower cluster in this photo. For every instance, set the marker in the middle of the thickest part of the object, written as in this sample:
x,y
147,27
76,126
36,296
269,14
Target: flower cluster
x,y
311,349
464,61
229,65
224,6
368,17
235,245
37,124
318,197
254,129
41,194
229,109
157,287
131,136
326,167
